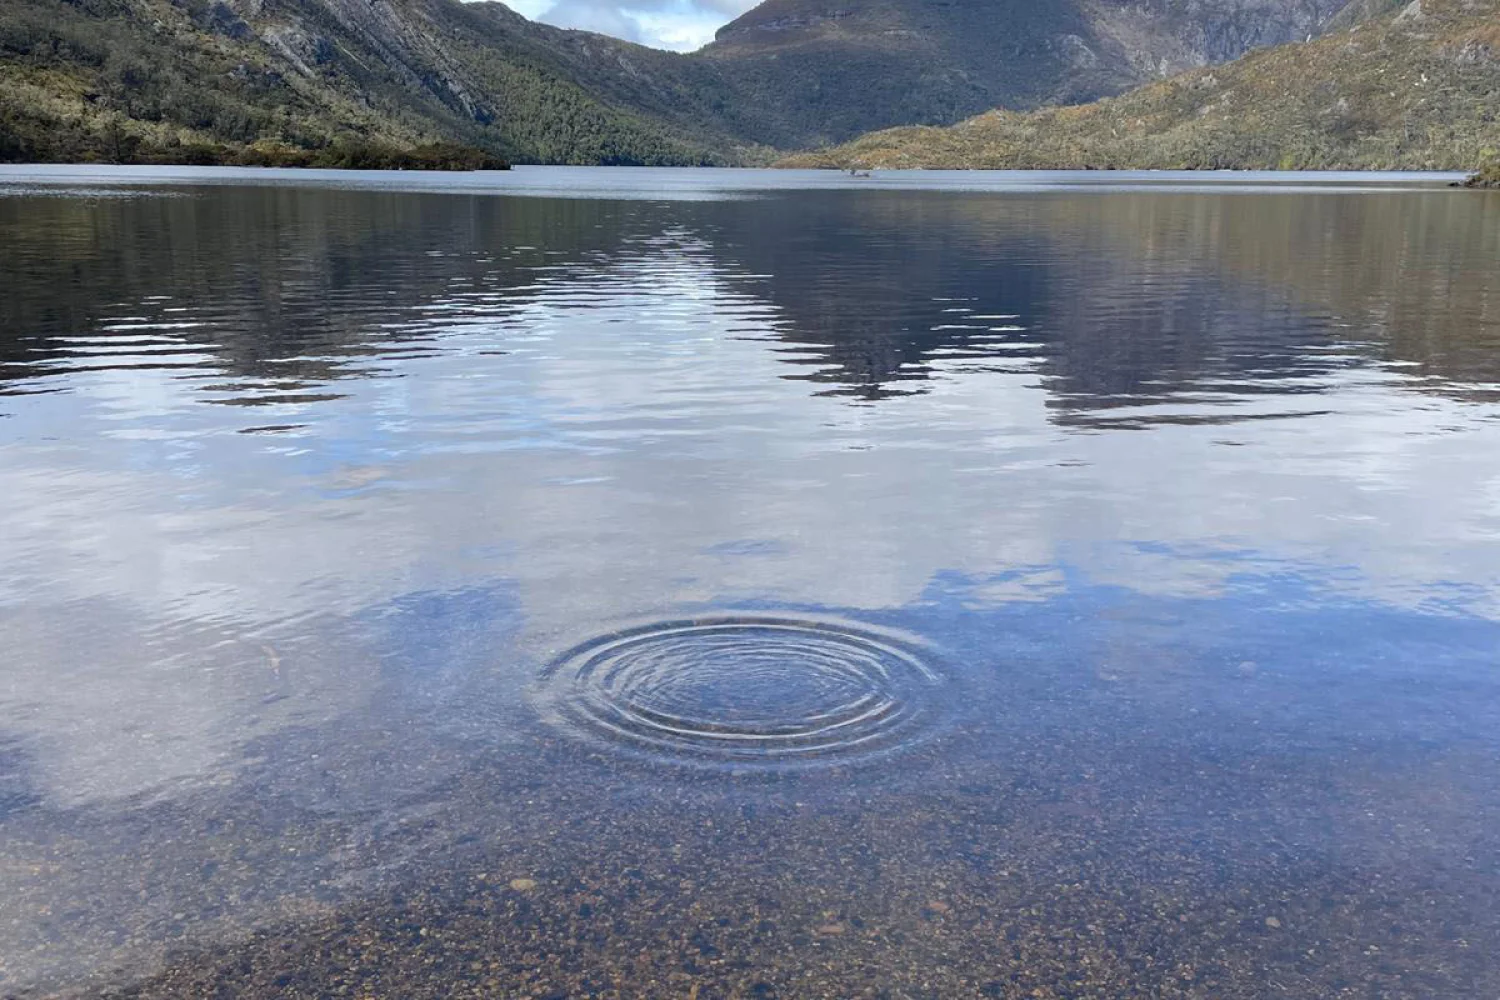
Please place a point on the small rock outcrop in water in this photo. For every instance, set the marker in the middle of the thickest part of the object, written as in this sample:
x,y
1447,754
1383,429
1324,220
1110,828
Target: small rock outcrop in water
x,y
1489,177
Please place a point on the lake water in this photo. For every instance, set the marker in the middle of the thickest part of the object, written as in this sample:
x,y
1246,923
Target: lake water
x,y
719,584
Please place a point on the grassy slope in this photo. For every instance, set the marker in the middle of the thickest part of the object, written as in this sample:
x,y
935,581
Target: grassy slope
x,y
1419,89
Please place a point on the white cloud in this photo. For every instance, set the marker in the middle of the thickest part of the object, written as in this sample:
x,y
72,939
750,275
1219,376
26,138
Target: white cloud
x,y
682,25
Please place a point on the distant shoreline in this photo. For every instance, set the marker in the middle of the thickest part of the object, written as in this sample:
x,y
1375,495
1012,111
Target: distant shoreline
x,y
439,156
709,183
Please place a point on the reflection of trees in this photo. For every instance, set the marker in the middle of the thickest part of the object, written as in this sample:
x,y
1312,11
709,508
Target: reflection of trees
x,y
1132,298
1113,300
1407,278
886,290
288,287
874,290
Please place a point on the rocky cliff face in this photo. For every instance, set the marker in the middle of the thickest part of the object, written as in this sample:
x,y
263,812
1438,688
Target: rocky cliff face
x,y
1158,39
832,66
1413,90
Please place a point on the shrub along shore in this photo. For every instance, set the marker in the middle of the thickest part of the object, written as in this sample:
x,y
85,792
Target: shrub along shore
x,y
120,146
1488,177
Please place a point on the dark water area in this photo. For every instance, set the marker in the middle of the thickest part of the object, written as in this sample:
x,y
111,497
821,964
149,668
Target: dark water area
x,y
713,585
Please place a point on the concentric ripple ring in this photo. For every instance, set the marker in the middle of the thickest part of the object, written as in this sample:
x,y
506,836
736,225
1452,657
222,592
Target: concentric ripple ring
x,y
753,691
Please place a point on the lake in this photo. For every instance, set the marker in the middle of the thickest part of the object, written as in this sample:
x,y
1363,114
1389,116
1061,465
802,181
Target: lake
x,y
730,584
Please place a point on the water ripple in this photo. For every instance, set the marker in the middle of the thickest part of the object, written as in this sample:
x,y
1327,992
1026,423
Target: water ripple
x,y
744,691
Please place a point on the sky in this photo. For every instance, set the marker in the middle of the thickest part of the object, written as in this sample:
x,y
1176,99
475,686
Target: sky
x,y
683,25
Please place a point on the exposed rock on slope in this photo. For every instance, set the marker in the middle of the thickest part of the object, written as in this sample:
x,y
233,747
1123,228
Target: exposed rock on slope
x,y
1417,89
829,69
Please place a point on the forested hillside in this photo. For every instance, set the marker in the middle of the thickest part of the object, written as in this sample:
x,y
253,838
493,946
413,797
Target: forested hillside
x,y
333,81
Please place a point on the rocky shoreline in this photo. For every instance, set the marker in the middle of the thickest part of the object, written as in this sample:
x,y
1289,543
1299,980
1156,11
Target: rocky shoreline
x,y
1489,177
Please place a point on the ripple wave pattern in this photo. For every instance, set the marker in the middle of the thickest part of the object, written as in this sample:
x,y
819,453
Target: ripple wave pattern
x,y
745,690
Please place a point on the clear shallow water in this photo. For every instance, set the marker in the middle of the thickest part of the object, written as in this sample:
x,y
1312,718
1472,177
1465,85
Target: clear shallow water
x,y
708,583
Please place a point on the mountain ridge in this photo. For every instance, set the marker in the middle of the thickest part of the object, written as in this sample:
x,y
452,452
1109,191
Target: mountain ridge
x,y
379,82
832,66
1415,89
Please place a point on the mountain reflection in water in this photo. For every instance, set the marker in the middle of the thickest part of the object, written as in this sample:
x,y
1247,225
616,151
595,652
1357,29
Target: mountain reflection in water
x,y
803,593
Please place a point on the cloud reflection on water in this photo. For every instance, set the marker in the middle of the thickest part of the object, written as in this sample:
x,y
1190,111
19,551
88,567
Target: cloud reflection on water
x,y
508,426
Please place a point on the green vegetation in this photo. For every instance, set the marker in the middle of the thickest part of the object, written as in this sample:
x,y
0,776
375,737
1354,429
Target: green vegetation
x,y
1419,89
371,156
412,83
1487,177
32,141
91,82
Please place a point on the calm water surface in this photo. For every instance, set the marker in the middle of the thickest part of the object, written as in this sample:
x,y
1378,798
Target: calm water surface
x,y
712,584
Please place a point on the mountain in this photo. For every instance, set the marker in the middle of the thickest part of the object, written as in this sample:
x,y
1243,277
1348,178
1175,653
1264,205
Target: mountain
x,y
1418,88
389,82
827,70
259,80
